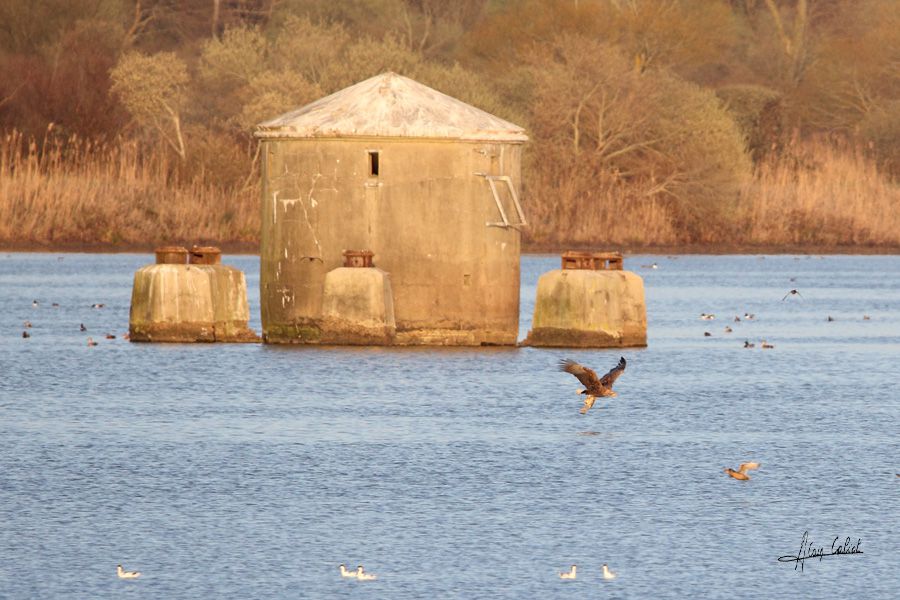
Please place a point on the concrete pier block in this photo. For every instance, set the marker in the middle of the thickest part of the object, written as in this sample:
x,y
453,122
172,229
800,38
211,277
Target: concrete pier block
x,y
357,307
189,303
589,309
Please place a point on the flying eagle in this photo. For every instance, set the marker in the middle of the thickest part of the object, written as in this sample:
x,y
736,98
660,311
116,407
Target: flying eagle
x,y
594,387
741,473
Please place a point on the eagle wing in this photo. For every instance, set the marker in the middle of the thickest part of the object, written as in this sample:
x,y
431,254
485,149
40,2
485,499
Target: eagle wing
x,y
586,376
610,378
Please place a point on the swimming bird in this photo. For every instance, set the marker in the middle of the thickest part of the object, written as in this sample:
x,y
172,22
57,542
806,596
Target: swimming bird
x,y
741,473
747,344
123,574
26,335
866,318
363,576
707,317
766,345
737,319
607,574
110,336
749,316
707,334
594,387
345,572
830,319
82,327
728,329
572,574
97,305
56,305
27,324
34,304
91,342
792,293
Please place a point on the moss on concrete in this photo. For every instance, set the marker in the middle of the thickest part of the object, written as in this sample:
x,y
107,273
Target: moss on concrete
x,y
357,307
589,309
189,303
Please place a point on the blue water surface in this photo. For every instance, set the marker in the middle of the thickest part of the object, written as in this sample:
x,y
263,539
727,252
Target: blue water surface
x,y
252,471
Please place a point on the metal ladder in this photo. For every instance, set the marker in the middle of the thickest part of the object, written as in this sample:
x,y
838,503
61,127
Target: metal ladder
x,y
492,182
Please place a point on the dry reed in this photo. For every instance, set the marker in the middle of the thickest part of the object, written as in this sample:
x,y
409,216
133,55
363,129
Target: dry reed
x,y
77,192
821,194
828,195
568,211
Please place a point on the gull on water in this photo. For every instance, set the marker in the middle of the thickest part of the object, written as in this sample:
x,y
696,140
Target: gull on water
x,y
570,574
123,574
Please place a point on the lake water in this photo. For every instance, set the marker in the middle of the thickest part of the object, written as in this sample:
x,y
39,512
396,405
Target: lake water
x,y
251,471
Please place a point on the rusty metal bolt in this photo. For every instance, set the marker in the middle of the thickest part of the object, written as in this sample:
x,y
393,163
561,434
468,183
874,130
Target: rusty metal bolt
x,y
592,261
574,259
205,255
358,258
171,255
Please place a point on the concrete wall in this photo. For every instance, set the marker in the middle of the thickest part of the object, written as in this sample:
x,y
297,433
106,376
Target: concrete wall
x,y
358,307
589,309
455,280
189,303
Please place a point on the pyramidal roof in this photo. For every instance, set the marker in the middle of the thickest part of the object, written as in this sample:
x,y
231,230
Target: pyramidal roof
x,y
390,105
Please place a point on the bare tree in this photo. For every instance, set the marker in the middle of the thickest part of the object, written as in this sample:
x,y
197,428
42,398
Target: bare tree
x,y
793,37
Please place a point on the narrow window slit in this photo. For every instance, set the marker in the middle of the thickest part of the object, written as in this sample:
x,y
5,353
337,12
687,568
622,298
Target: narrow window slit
x,y
373,163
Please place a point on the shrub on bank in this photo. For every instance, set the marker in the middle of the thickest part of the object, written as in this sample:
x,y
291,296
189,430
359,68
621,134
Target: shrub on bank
x,y
758,112
600,124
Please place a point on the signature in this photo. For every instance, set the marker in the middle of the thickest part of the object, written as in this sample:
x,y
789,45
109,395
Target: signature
x,y
807,550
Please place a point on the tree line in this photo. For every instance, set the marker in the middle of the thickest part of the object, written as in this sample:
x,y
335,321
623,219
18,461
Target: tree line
x,y
670,108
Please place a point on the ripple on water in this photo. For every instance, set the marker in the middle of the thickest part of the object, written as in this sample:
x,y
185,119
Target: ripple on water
x,y
252,471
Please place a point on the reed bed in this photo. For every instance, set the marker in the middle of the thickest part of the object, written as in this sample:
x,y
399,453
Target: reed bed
x,y
819,194
827,195
77,192
564,210
71,192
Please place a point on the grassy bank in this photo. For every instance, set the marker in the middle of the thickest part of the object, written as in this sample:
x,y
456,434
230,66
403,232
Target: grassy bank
x,y
75,195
